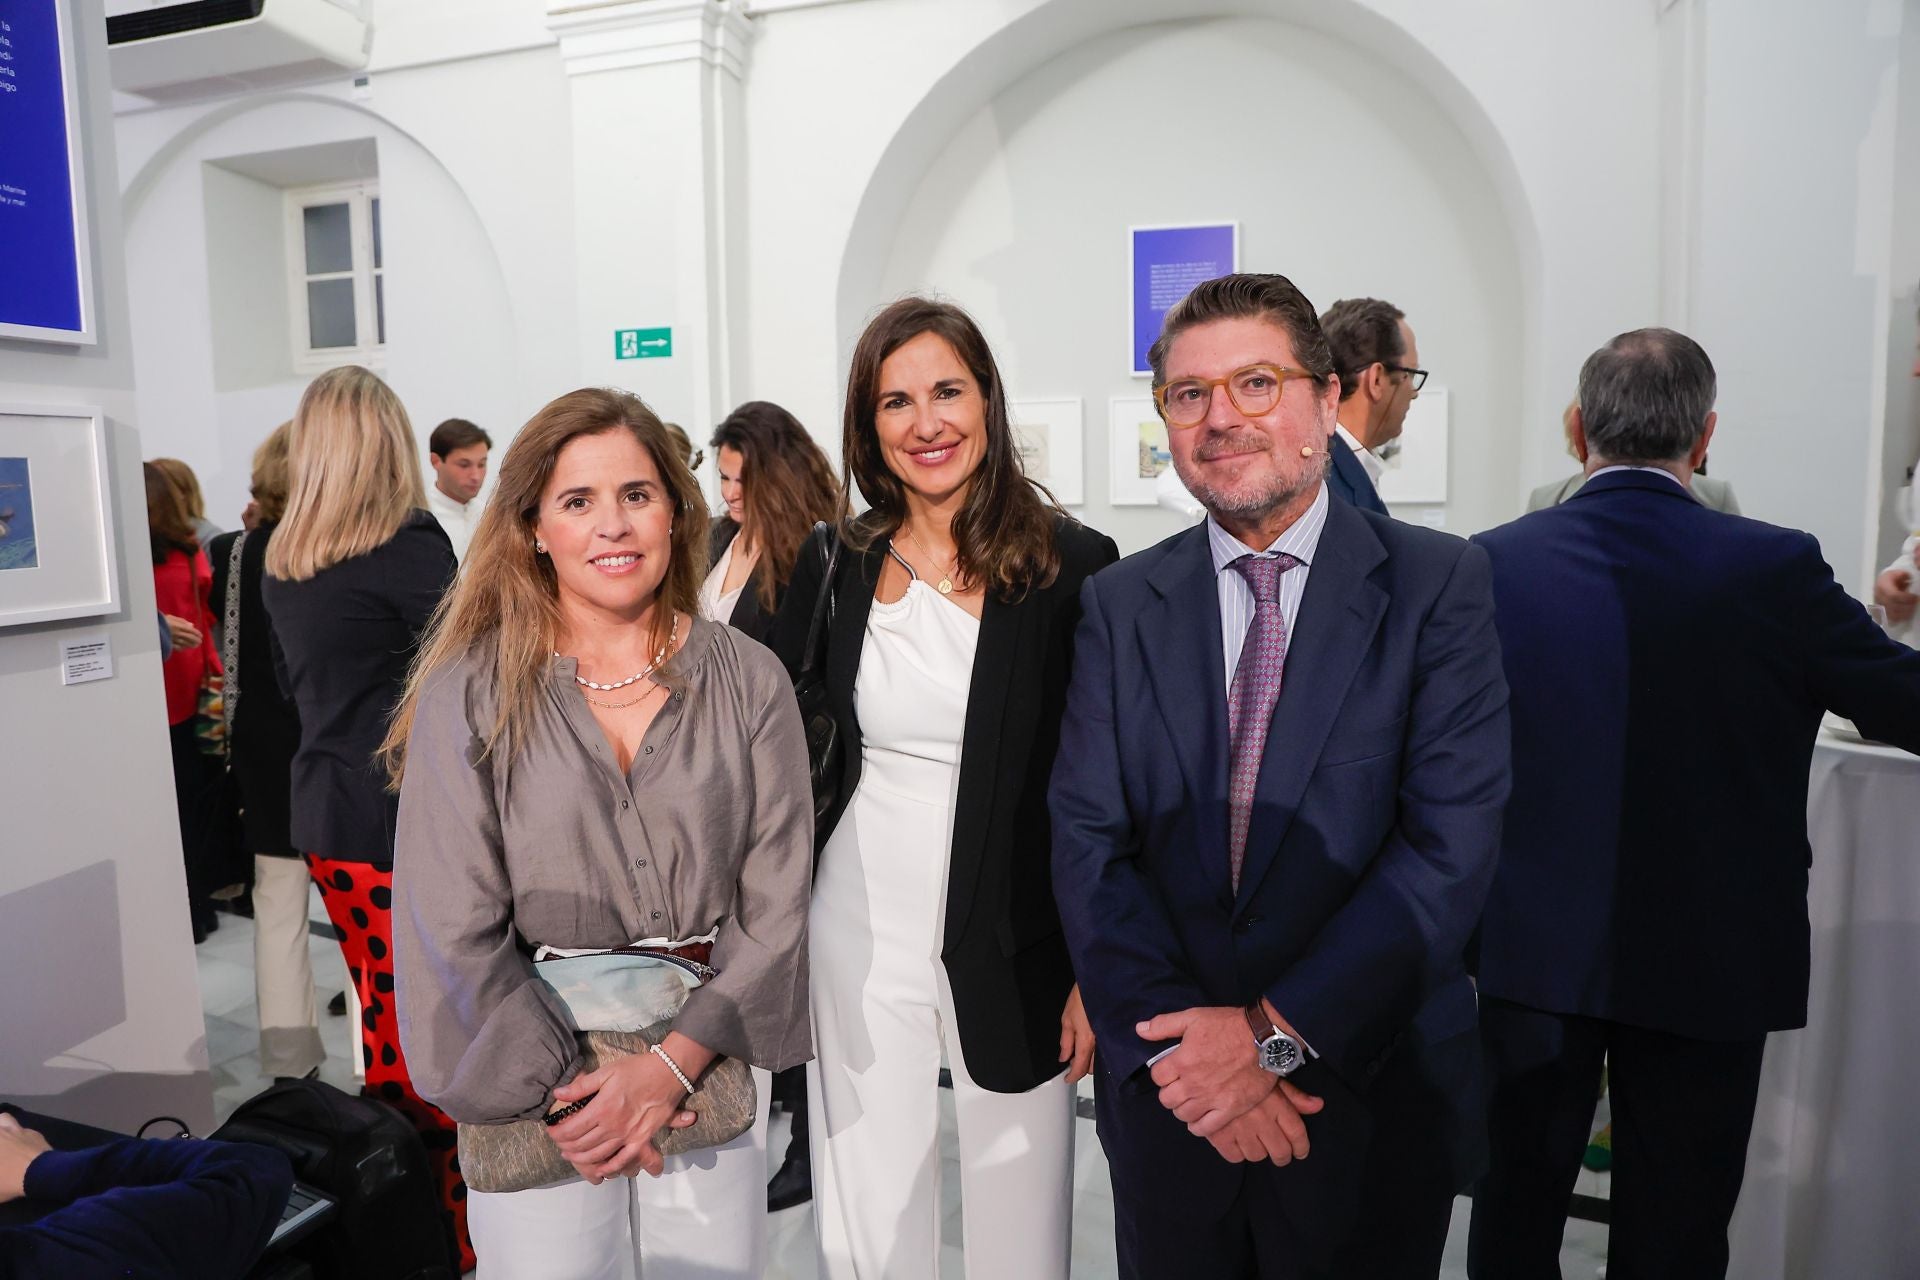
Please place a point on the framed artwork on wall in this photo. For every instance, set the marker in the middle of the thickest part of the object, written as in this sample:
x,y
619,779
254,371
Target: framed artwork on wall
x,y
1165,263
46,293
1417,473
56,515
1051,438
1137,451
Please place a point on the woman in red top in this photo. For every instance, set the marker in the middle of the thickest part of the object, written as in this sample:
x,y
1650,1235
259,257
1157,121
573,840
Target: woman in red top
x,y
182,588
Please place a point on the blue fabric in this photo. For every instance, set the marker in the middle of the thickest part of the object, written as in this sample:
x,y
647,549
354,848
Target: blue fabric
x,y
1375,822
171,1207
1349,480
1669,666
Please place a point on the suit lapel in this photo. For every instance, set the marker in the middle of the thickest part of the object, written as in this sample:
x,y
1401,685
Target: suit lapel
x,y
1180,647
1005,640
1338,616
853,604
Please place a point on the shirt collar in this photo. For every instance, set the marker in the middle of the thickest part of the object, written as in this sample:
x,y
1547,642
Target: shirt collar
x,y
1369,460
1301,539
442,504
1659,471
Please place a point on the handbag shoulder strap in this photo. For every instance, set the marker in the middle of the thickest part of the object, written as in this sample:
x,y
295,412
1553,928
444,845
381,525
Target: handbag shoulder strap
x,y
230,633
824,538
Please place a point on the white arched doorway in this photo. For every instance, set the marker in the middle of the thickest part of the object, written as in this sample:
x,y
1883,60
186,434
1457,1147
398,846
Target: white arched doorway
x,y
1369,170
213,374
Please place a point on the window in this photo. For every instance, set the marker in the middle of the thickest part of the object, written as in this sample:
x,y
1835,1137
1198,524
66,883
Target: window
x,y
337,276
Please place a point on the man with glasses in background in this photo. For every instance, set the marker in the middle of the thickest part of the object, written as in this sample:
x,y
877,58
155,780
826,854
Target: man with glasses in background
x,y
1378,362
1276,806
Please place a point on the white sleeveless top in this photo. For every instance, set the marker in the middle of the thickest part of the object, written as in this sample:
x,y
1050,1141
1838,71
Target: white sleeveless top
x,y
911,695
715,605
883,874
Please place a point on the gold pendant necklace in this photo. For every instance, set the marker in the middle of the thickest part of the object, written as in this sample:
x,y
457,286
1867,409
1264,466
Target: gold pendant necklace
x,y
945,585
619,706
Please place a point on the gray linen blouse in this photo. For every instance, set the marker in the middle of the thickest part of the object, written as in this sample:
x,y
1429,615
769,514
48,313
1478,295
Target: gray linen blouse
x,y
711,829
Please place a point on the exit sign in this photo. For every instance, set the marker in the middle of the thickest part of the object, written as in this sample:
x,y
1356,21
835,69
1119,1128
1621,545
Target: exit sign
x,y
642,344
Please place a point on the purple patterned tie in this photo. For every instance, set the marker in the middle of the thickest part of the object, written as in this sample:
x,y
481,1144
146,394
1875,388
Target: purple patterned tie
x,y
1251,699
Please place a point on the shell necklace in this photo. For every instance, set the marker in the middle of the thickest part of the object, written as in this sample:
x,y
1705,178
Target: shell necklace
x,y
945,585
649,669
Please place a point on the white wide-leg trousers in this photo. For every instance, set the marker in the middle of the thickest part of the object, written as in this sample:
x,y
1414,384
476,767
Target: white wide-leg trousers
x,y
705,1218
882,1020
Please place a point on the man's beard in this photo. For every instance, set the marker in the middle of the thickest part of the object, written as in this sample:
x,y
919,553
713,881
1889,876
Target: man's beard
x,y
1249,503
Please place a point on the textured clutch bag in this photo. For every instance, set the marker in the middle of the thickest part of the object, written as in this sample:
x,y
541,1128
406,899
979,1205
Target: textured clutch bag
x,y
623,988
516,1156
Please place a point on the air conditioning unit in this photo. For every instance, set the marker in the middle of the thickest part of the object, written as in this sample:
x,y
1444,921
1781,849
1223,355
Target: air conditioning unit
x,y
202,47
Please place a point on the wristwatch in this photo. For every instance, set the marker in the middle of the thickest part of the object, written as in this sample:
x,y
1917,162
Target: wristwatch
x,y
1279,1052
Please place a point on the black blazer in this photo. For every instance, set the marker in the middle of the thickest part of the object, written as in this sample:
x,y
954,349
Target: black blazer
x,y
1669,666
266,727
748,615
1005,955
343,641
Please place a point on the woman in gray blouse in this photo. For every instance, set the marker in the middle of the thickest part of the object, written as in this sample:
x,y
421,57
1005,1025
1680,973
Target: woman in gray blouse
x,y
586,763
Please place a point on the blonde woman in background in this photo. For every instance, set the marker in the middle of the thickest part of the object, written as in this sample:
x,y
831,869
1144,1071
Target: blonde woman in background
x,y
353,573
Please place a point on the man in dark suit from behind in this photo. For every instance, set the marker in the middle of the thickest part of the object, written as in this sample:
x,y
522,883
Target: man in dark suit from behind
x,y
1650,903
1378,362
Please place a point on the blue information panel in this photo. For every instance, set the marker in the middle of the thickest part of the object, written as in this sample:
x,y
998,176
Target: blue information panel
x,y
1167,263
42,281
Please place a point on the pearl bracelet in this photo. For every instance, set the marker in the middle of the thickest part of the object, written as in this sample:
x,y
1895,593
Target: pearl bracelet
x,y
672,1066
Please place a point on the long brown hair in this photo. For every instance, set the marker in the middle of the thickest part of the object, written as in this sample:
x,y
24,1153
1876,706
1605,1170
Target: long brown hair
x,y
787,485
187,484
355,469
506,604
168,526
1004,531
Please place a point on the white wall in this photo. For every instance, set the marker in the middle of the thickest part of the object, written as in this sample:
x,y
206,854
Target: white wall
x,y
1023,219
1791,254
1642,161
104,1024
478,250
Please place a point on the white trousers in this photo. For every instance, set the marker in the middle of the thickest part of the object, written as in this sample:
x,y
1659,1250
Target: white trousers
x,y
283,968
705,1218
882,1019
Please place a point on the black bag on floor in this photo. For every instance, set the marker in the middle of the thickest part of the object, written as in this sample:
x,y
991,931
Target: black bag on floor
x,y
363,1153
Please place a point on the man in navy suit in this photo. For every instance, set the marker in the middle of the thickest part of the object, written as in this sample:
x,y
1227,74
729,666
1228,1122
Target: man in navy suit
x,y
1276,806
1669,666
1375,354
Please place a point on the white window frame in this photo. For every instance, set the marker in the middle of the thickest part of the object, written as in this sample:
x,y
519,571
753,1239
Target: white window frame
x,y
359,198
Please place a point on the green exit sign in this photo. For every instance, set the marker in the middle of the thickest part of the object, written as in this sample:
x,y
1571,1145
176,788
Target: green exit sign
x,y
642,344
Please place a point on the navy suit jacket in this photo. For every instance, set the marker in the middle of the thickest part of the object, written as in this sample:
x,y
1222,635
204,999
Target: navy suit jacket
x,y
1348,479
1669,666
1375,825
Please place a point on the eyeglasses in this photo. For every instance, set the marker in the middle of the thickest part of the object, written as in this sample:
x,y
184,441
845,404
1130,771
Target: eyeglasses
x,y
1253,390
1418,376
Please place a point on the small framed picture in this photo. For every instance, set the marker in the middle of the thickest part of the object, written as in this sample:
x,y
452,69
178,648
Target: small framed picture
x,y
1417,472
56,516
1051,438
1137,451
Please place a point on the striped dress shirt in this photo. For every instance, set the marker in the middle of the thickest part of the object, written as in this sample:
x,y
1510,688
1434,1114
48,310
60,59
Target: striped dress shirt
x,y
1301,541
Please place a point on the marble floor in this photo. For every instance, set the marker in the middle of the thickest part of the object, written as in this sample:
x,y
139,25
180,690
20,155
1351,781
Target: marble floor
x,y
226,990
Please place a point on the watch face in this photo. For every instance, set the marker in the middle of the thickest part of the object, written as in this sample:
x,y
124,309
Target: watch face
x,y
1279,1054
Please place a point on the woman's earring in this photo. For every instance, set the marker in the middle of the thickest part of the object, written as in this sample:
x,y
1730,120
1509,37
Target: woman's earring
x,y
540,546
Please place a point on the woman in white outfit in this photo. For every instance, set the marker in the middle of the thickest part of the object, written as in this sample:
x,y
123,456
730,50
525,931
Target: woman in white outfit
x,y
935,937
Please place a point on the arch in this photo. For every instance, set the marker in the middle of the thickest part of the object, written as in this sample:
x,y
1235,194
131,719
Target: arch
x,y
1053,27
142,183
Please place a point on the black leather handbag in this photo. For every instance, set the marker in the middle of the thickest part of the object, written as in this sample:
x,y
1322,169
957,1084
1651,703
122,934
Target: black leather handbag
x,y
810,687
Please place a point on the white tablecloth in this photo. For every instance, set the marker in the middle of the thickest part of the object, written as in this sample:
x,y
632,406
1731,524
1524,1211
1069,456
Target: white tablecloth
x,y
1832,1190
